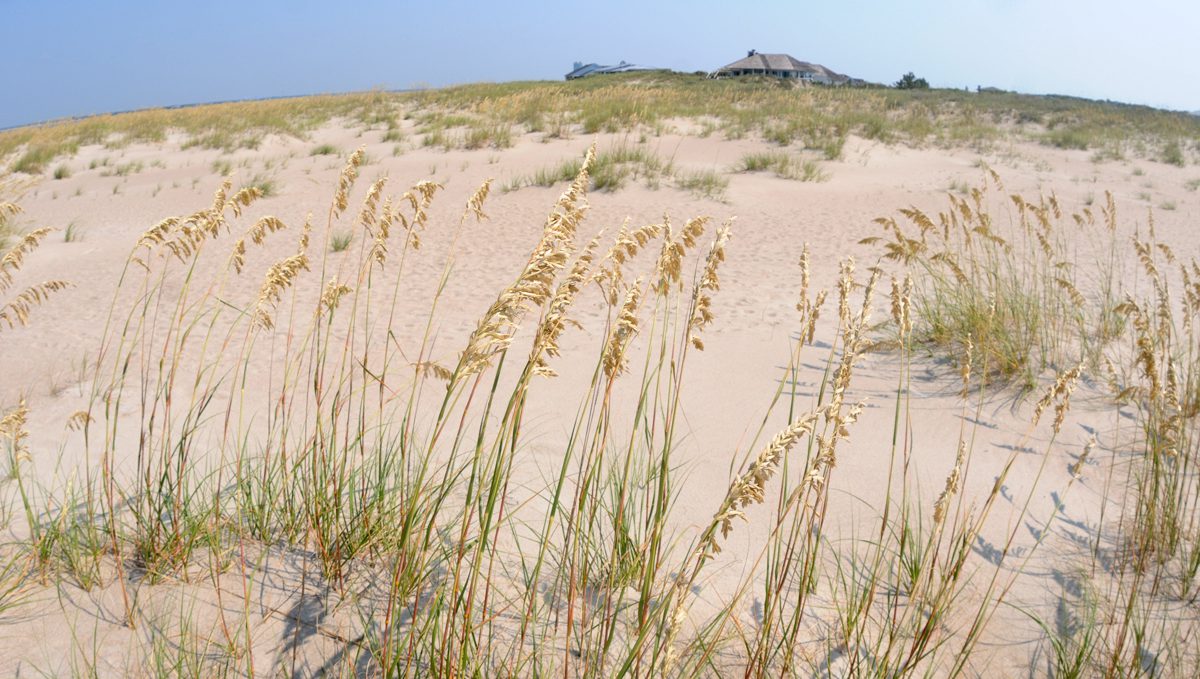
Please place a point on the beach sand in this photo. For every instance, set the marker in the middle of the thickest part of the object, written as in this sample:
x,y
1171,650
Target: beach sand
x,y
298,622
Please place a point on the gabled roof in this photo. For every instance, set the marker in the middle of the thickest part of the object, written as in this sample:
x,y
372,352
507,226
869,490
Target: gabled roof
x,y
780,62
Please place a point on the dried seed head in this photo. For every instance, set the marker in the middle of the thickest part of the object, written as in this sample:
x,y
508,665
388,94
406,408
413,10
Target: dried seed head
x,y
554,322
475,202
242,199
626,328
702,301
533,287
368,215
16,311
333,293
12,260
625,247
341,199
257,234
79,420
279,278
941,507
1077,468
748,488
12,427
1061,390
427,369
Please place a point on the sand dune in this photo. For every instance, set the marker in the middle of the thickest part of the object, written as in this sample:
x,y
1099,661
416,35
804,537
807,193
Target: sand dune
x,y
269,606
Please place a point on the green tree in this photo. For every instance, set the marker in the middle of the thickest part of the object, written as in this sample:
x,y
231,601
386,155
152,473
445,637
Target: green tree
x,y
909,81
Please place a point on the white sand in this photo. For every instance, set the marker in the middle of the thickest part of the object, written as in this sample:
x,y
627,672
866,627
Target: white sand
x,y
729,385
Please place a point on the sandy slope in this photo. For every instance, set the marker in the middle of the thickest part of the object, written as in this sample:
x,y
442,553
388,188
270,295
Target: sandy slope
x,y
730,383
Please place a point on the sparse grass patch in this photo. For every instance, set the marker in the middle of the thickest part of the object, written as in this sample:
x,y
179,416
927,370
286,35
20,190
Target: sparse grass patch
x,y
488,136
325,150
62,172
784,165
1073,138
35,160
72,233
126,169
267,185
340,240
1109,152
708,183
611,170
1172,154
775,161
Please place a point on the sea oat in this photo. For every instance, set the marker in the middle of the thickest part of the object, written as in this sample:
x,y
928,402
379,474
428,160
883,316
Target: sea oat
x,y
368,215
78,420
333,293
952,483
1061,391
12,427
475,202
625,246
533,287
15,257
341,198
16,311
626,328
257,234
545,342
279,278
701,307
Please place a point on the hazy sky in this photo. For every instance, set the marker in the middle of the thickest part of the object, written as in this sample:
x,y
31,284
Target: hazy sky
x,y
75,58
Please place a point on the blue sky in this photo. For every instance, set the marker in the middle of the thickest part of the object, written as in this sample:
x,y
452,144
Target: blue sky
x,y
71,58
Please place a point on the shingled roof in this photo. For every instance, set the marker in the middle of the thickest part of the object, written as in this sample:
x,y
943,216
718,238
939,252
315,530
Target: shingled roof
x,y
756,61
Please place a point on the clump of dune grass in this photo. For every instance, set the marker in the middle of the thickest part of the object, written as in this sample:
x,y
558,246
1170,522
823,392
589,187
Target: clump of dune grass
x,y
324,150
122,169
265,184
1012,290
707,183
488,136
73,233
784,165
340,240
1031,304
613,168
393,134
1172,154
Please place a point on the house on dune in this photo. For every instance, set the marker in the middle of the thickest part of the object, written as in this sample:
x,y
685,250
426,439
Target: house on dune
x,y
783,66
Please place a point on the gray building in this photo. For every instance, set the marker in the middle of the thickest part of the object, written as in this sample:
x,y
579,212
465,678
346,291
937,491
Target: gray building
x,y
583,70
783,66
